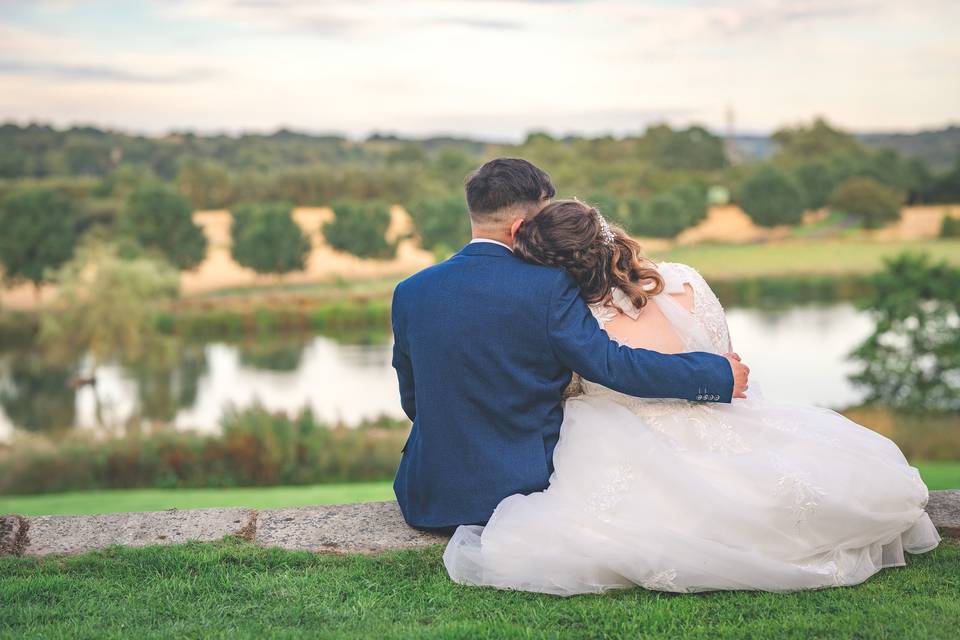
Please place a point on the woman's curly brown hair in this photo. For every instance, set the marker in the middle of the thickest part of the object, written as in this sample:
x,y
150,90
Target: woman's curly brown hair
x,y
570,235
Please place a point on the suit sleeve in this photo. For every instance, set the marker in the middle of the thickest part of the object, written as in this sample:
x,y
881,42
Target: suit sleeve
x,y
582,346
401,361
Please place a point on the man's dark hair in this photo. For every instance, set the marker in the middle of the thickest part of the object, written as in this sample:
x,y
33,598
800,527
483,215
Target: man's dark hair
x,y
506,182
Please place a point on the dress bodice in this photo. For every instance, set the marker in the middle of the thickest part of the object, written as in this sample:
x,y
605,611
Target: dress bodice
x,y
708,330
702,328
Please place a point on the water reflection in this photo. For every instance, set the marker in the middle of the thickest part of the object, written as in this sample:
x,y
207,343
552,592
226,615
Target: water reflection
x,y
340,383
797,355
800,355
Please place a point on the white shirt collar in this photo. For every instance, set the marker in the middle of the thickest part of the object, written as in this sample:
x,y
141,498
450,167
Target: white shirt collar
x,y
475,240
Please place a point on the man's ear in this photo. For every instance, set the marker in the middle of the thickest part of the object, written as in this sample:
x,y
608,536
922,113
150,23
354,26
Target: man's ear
x,y
515,227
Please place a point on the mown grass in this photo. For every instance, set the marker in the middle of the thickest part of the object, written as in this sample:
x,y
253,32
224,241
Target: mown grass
x,y
113,500
814,257
234,590
937,475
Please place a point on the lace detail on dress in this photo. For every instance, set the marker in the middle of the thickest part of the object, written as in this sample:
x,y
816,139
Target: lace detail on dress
x,y
804,496
604,313
662,581
707,309
709,425
611,492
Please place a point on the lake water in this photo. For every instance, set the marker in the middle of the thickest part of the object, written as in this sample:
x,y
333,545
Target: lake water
x,y
797,355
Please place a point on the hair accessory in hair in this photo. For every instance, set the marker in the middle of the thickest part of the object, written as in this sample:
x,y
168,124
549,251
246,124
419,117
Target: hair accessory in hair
x,y
606,233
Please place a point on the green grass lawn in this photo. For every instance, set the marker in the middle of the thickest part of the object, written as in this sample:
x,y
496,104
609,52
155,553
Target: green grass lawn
x,y
937,475
113,500
814,257
234,590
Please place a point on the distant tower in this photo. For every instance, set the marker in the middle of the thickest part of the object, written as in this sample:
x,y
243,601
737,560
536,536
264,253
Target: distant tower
x,y
729,141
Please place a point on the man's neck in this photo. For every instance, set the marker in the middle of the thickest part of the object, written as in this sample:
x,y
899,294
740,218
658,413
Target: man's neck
x,y
503,238
491,241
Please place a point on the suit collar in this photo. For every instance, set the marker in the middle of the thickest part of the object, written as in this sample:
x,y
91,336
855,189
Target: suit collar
x,y
485,249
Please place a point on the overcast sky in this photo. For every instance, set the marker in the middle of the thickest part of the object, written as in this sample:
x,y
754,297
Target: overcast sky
x,y
493,68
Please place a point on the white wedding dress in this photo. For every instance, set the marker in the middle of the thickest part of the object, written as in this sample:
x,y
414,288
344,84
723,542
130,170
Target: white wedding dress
x,y
680,496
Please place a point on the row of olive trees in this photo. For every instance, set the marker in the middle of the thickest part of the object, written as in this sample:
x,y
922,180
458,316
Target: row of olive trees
x,y
43,229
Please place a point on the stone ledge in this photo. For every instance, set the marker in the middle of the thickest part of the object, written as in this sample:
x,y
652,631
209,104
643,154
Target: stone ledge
x,y
13,534
78,534
370,527
944,510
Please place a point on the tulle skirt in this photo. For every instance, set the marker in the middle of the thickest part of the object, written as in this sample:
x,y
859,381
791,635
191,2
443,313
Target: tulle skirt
x,y
685,497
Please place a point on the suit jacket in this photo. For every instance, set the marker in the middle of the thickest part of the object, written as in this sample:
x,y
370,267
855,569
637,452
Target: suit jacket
x,y
484,345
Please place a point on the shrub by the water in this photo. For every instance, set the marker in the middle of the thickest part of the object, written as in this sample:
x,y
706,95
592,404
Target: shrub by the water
x,y
256,448
771,197
867,199
360,228
911,361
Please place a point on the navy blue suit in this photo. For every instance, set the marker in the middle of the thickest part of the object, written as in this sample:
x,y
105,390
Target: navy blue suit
x,y
484,345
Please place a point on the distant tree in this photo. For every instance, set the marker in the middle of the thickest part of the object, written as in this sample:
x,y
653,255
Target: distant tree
x,y
950,227
867,199
662,216
693,199
442,223
267,239
205,182
814,141
611,208
13,163
88,156
360,228
771,197
946,186
818,180
912,360
918,179
161,219
38,234
694,148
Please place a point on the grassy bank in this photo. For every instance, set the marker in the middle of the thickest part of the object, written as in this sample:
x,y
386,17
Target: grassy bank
x,y
937,475
235,590
255,448
801,258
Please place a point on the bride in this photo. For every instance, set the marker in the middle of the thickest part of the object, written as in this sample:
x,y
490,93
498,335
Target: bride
x,y
679,496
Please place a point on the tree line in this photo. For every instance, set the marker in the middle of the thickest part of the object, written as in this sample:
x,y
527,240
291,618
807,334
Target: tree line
x,y
58,186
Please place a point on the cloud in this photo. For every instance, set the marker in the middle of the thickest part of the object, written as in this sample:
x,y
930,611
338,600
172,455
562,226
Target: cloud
x,y
342,18
100,73
705,21
479,23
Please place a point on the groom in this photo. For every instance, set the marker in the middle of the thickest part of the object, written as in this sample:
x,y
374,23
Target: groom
x,y
484,344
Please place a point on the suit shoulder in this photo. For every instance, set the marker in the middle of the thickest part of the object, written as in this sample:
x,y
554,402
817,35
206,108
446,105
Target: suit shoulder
x,y
420,277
